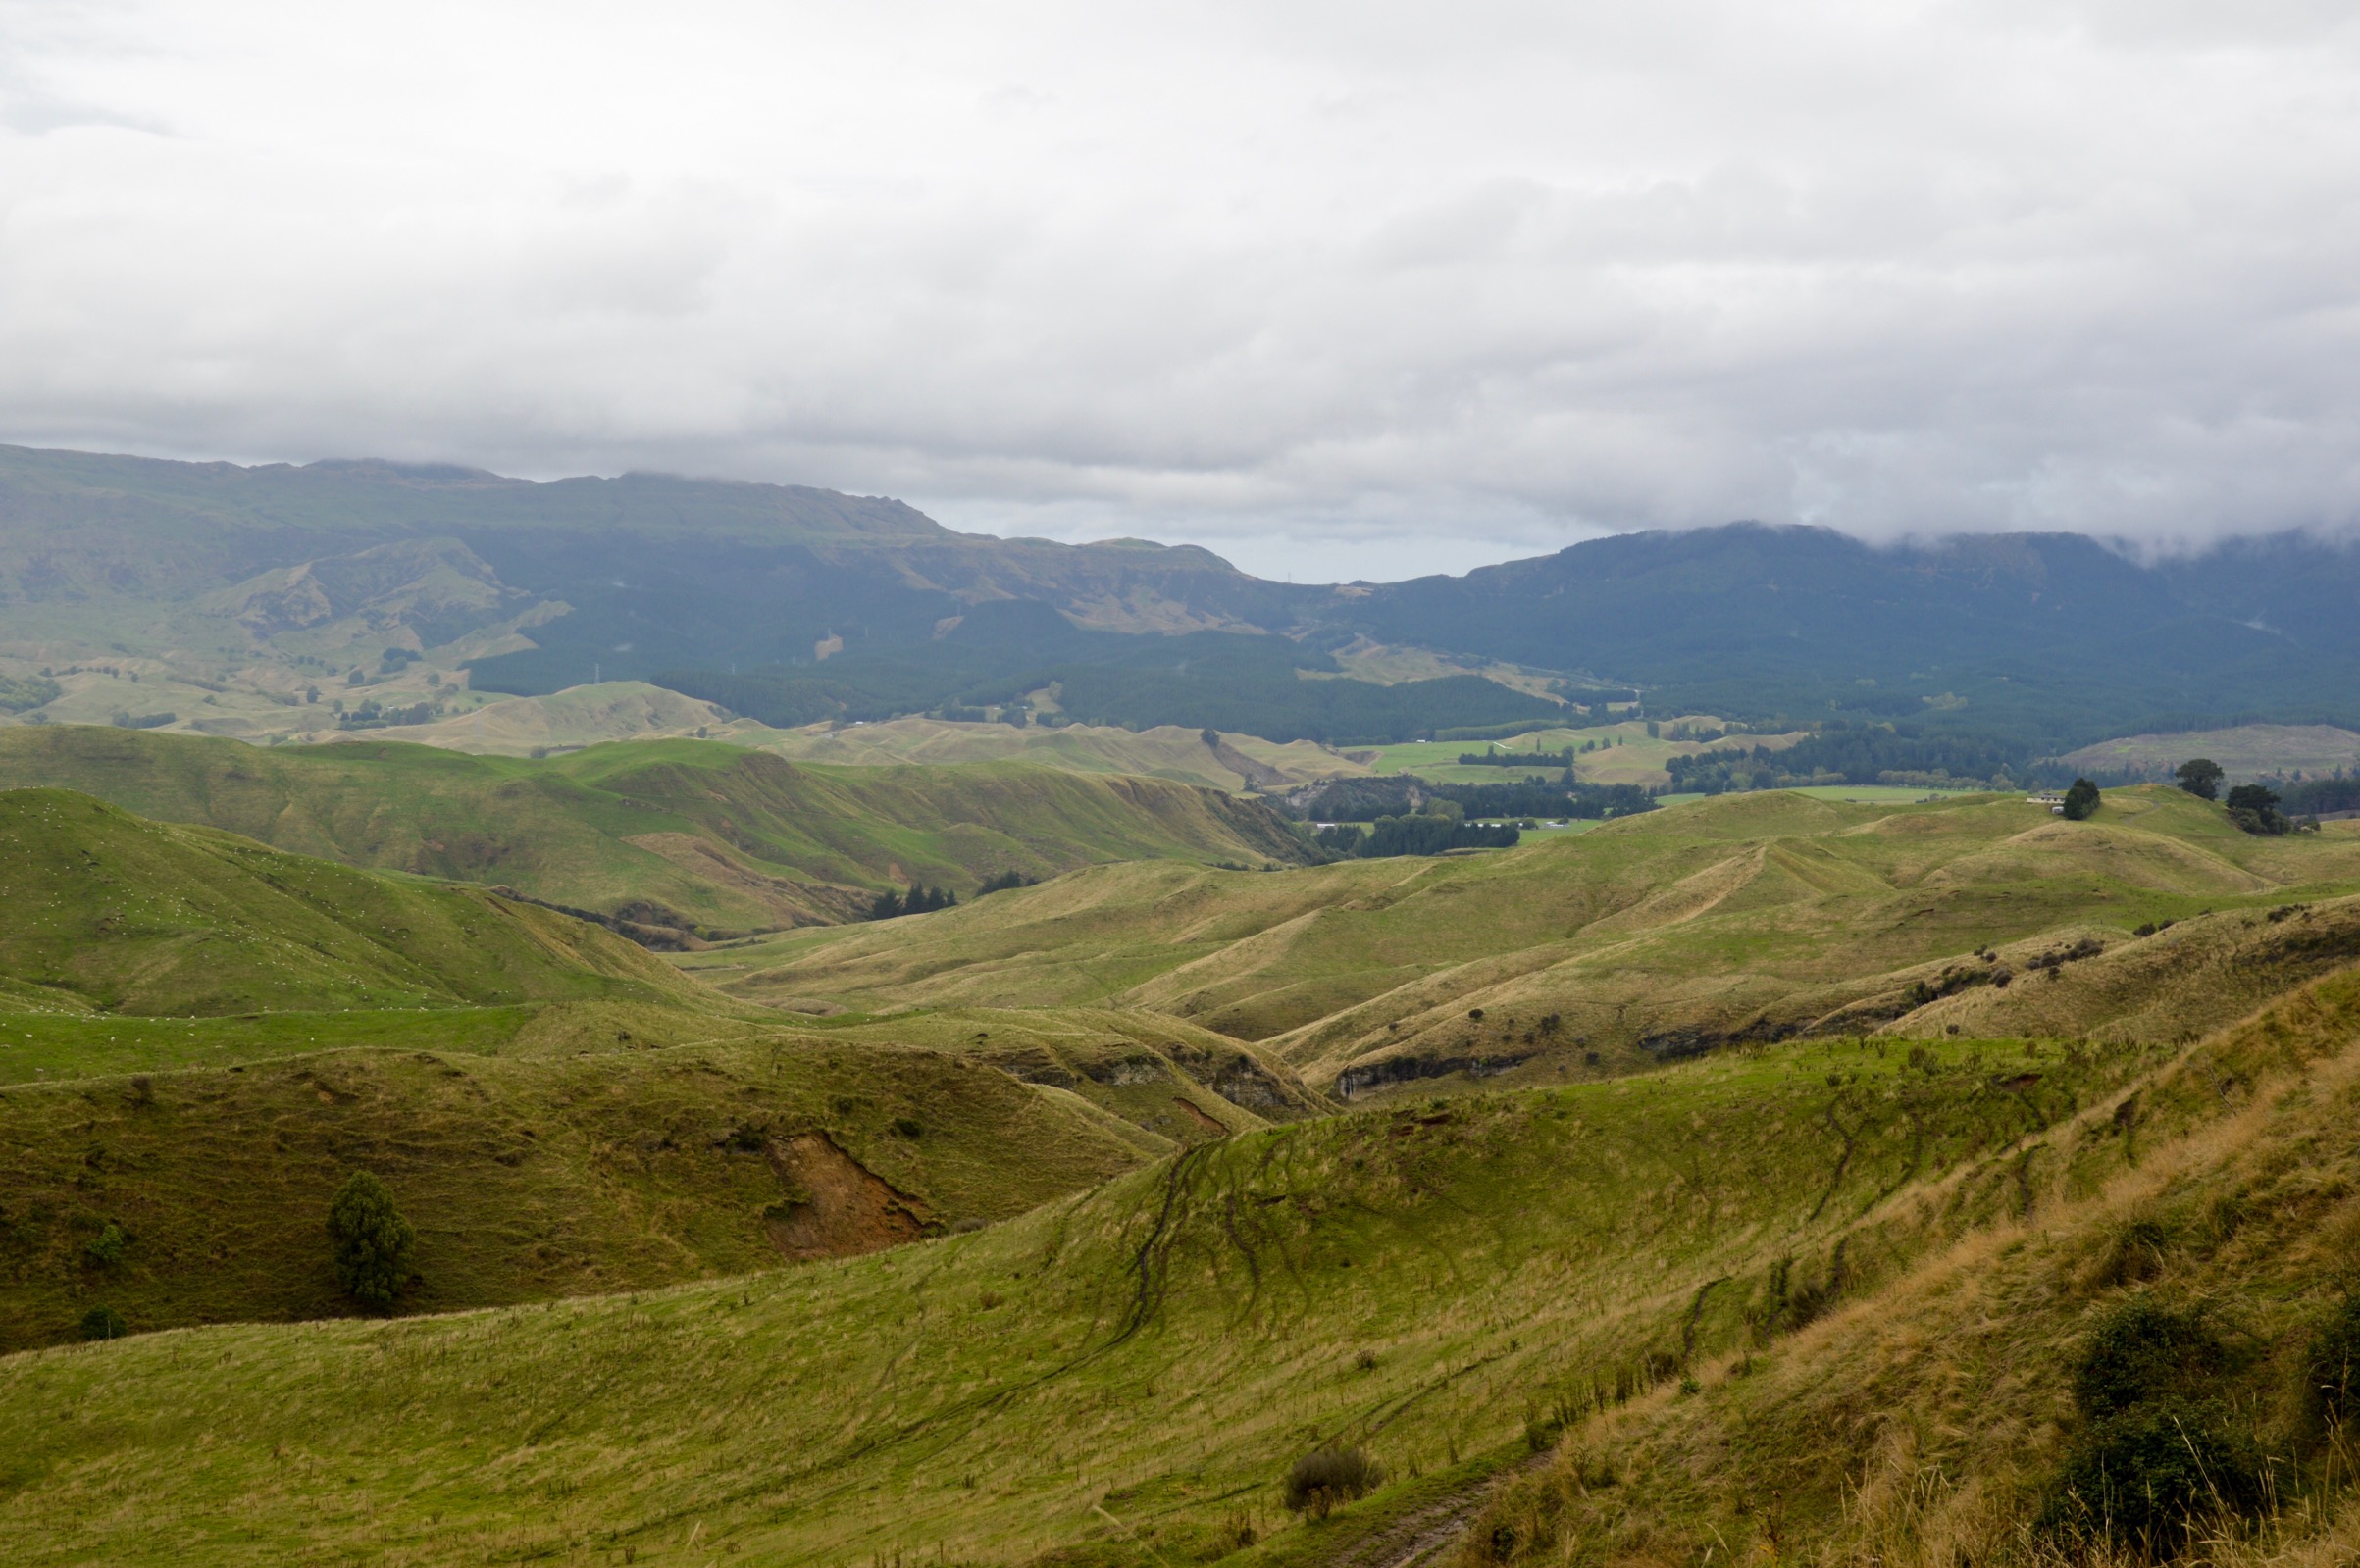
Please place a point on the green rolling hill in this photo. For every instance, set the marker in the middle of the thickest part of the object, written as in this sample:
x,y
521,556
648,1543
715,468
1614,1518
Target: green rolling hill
x,y
1710,1306
107,912
1743,918
529,1178
1747,1177
200,1037
662,838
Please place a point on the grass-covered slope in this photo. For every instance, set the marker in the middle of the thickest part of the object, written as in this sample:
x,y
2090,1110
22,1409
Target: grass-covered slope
x,y
1168,1076
109,912
527,1177
1936,1420
1744,917
1422,1282
1238,762
667,835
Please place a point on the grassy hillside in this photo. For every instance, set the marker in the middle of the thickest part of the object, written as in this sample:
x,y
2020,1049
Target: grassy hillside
x,y
667,835
1740,918
2246,751
1132,1369
629,710
529,1178
1169,1078
1240,761
1934,1421
107,912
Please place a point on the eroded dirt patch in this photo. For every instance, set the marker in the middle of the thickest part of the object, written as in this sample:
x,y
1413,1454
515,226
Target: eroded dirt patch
x,y
835,1206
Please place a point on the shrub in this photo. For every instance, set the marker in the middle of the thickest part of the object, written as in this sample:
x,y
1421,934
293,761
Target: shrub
x,y
1322,1479
2331,1370
105,1247
371,1240
104,1323
2148,1476
2143,1351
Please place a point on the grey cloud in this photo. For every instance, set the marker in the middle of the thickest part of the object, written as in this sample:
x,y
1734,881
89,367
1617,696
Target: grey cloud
x,y
1299,283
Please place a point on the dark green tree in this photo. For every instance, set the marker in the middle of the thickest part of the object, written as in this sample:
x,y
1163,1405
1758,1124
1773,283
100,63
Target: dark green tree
x,y
2080,801
371,1240
2200,776
104,1323
2254,808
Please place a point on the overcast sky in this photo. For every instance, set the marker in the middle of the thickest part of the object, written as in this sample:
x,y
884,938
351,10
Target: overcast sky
x,y
1340,291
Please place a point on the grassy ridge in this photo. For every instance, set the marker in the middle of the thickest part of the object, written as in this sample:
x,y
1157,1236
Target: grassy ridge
x,y
1877,1321
1240,761
1744,917
1927,1422
110,912
49,1047
529,1178
668,832
1160,1347
555,1148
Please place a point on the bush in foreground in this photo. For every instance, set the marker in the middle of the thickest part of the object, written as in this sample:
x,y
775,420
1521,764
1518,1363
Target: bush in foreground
x,y
2160,1456
371,1240
1330,1477
2331,1375
2150,1476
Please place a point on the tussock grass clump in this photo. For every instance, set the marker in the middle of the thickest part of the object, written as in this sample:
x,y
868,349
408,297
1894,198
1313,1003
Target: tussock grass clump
x,y
2161,1456
2143,1350
2331,1370
1327,1477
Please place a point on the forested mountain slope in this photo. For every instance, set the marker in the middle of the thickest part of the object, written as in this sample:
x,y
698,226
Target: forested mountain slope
x,y
239,589
2045,639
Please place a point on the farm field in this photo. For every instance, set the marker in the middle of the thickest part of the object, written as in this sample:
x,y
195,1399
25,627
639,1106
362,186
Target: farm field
x,y
1625,754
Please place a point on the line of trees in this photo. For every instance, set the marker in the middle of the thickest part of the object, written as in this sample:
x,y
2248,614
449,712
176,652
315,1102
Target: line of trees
x,y
1846,753
918,900
1399,795
1414,835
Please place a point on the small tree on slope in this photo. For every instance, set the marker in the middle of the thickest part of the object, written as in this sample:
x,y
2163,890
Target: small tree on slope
x,y
371,1240
2199,777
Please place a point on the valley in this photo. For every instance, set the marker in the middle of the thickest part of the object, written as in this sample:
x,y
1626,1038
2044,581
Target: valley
x,y
866,1054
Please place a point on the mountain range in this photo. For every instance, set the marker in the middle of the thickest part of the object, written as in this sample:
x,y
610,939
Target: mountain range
x,y
792,605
